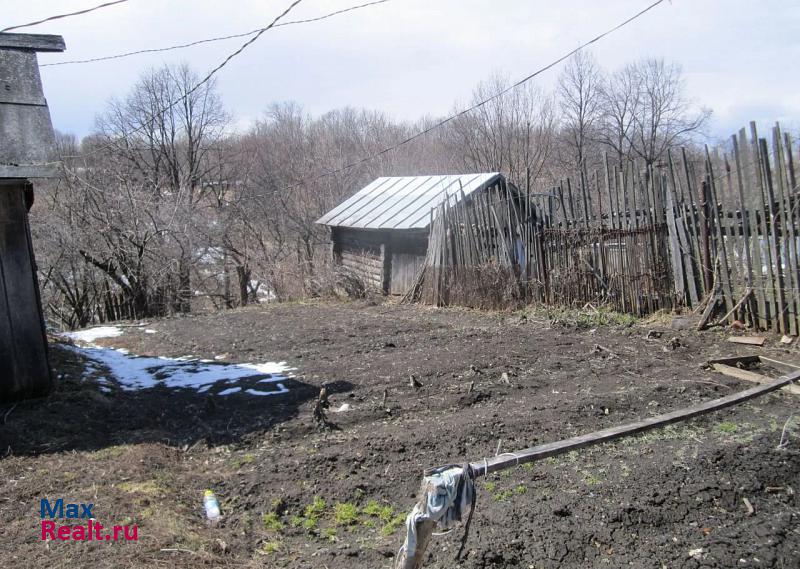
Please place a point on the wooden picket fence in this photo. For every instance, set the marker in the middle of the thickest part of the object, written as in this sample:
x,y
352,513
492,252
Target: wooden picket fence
x,y
713,231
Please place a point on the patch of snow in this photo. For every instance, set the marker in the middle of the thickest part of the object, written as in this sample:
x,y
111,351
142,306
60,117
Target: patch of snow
x,y
211,255
263,291
91,334
281,389
344,407
131,372
149,331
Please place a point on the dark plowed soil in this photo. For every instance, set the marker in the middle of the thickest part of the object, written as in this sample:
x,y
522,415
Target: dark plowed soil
x,y
713,492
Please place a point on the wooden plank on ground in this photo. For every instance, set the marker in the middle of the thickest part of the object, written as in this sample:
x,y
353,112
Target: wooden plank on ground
x,y
751,376
783,366
748,340
733,360
507,460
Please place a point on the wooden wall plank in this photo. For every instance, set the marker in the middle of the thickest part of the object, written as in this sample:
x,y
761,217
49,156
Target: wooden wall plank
x,y
24,367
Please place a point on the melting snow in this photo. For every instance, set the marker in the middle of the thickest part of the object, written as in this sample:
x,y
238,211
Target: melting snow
x,y
91,334
133,372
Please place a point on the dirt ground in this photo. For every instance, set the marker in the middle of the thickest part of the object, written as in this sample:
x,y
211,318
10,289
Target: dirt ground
x,y
295,496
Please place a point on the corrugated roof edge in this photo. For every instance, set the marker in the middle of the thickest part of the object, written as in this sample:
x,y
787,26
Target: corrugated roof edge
x,y
493,177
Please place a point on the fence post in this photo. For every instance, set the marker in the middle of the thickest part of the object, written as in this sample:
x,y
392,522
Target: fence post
x,y
705,248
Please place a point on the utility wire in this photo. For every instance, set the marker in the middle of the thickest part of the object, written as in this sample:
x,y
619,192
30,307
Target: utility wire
x,y
202,82
59,16
430,128
209,40
484,101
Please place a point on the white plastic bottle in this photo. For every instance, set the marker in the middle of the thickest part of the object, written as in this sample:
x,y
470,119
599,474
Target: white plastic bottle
x,y
212,506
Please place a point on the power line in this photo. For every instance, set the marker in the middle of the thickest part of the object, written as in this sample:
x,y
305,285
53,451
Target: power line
x,y
210,40
484,101
60,16
202,82
426,130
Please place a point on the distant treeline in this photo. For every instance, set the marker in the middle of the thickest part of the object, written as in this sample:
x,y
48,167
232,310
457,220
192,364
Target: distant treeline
x,y
162,212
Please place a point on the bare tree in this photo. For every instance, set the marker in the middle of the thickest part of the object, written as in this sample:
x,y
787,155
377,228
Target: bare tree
x,y
579,99
132,207
646,111
620,98
511,134
664,116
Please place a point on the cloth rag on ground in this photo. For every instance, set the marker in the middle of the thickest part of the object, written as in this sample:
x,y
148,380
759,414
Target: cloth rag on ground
x,y
447,493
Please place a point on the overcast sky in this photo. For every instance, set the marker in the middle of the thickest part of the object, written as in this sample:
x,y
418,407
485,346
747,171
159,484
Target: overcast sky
x,y
411,58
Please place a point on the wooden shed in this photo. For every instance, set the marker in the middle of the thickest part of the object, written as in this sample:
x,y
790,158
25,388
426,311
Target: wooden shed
x,y
26,137
381,232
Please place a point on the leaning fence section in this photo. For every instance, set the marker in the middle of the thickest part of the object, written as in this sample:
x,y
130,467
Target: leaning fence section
x,y
714,231
473,252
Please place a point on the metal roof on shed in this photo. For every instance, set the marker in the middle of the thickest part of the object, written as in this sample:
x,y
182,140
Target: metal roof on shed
x,y
403,202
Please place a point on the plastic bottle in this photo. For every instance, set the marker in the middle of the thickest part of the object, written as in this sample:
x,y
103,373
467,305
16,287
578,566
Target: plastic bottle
x,y
212,506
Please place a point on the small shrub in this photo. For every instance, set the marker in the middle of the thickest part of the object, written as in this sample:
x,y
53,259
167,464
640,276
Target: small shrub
x,y
272,522
727,427
391,526
373,508
592,480
329,534
345,514
386,514
504,495
270,547
240,461
310,524
316,508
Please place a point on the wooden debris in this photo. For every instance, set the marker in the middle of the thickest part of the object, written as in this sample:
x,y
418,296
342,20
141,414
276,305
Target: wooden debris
x,y
750,509
553,449
598,349
785,367
748,340
709,310
320,418
750,376
748,291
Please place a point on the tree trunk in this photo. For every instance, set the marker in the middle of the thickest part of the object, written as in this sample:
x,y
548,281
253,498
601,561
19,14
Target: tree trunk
x,y
185,286
244,280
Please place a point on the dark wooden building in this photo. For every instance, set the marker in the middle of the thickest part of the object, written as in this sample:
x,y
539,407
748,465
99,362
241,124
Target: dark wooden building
x,y
381,232
26,138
